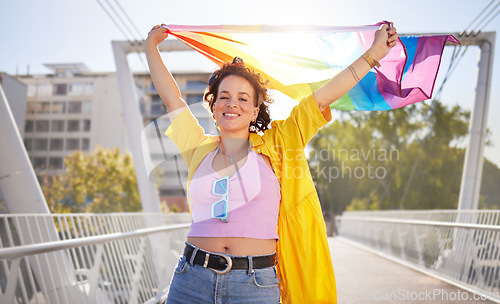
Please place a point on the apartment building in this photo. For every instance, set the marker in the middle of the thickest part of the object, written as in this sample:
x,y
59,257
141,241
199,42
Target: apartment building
x,y
70,109
74,108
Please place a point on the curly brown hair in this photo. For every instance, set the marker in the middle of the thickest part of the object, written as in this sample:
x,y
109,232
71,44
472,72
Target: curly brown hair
x,y
262,101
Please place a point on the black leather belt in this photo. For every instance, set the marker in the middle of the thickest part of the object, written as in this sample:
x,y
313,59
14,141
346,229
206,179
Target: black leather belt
x,y
221,263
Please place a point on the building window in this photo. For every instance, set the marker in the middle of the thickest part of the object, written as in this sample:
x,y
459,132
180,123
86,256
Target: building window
x,y
33,107
29,126
194,98
44,89
206,124
75,107
142,106
156,99
57,126
55,163
86,107
43,108
61,89
73,125
59,107
42,126
77,89
72,144
157,106
32,90
196,85
89,89
151,86
85,144
41,144
81,89
28,144
56,144
39,162
158,109
86,125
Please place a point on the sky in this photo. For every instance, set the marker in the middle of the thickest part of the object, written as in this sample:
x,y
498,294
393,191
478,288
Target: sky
x,y
34,33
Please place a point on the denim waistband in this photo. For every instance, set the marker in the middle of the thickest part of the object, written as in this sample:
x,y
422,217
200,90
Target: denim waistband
x,y
223,263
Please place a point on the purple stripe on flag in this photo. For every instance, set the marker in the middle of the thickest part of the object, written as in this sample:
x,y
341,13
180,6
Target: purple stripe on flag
x,y
420,77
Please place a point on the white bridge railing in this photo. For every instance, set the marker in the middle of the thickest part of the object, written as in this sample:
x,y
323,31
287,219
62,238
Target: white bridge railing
x,y
460,247
108,258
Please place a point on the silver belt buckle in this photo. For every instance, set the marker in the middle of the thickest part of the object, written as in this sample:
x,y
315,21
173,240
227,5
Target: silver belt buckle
x,y
229,263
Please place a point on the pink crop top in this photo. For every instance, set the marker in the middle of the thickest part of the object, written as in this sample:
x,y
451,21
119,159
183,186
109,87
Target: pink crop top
x,y
253,203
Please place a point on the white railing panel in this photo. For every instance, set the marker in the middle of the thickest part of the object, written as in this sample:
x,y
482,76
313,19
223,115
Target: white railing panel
x,y
462,247
112,258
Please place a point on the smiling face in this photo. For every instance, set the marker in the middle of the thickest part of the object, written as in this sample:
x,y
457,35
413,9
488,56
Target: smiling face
x,y
234,107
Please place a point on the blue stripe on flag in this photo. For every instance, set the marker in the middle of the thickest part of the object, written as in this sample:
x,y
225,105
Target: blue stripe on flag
x,y
365,95
410,43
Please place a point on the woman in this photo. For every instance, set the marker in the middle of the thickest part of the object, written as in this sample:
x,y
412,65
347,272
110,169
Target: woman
x,y
251,195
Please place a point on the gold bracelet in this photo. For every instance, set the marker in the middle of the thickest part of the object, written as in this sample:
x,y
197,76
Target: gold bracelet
x,y
372,62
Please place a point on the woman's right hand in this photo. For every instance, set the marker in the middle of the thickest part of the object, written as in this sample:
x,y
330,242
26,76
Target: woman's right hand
x,y
162,78
157,34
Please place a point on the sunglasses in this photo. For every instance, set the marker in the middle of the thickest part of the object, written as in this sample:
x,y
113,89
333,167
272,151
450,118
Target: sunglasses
x,y
220,208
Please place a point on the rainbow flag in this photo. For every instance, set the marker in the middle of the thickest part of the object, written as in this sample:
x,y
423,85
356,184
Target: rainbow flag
x,y
299,59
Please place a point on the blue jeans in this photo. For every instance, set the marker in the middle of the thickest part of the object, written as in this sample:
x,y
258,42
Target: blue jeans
x,y
197,284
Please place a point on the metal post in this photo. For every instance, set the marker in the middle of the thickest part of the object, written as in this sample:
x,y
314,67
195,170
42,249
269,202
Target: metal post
x,y
473,162
23,194
133,123
474,158
149,194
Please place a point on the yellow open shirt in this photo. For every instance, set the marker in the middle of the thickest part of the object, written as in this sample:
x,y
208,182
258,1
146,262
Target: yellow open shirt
x,y
305,266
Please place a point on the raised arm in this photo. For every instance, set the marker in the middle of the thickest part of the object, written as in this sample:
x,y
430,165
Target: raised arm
x,y
162,78
340,84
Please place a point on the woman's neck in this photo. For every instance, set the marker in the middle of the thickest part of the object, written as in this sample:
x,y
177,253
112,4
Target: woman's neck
x,y
245,134
233,145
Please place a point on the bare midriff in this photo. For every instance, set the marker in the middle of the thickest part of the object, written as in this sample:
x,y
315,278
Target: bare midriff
x,y
234,245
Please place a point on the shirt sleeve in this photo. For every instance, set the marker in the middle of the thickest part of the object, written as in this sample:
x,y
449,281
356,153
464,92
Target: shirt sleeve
x,y
187,134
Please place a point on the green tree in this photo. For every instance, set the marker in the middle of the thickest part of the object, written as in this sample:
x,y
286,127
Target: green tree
x,y
402,159
363,150
99,182
490,186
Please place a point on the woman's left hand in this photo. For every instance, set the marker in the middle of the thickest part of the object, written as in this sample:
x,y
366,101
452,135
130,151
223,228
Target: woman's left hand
x,y
386,37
